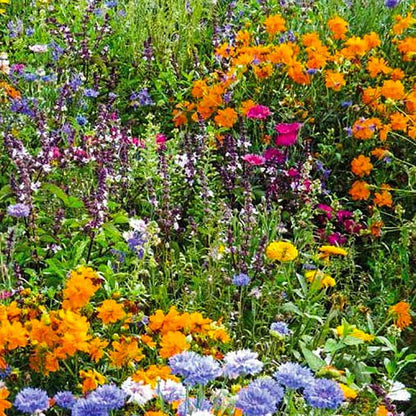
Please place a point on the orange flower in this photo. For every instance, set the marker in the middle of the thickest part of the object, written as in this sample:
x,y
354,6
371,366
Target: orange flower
x,y
246,105
96,349
148,340
196,323
384,131
397,74
10,91
158,413
338,27
392,89
361,166
334,80
79,288
380,153
382,411
275,24
110,311
92,379
355,47
383,199
297,74
401,311
370,95
407,48
225,50
4,404
359,191
173,321
263,71
365,128
226,118
153,374
398,121
199,88
172,343
243,37
125,352
377,66
403,23
376,227
373,40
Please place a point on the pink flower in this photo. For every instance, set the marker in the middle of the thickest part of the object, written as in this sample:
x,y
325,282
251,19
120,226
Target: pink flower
x,y
293,173
160,139
56,154
326,208
274,154
288,133
336,239
253,159
258,112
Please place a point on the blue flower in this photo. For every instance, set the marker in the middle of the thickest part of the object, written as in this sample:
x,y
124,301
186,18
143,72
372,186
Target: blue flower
x,y
64,399
109,396
30,400
260,398
18,210
241,279
142,97
324,394
87,407
5,373
293,375
391,4
89,92
241,362
81,120
279,328
195,368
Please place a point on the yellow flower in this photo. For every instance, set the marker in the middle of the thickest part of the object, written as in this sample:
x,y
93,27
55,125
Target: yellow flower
x,y
349,393
333,250
325,280
352,331
281,251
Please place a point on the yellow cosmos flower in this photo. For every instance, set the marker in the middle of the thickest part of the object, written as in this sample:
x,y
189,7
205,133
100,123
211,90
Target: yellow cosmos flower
x,y
325,280
352,331
281,251
349,393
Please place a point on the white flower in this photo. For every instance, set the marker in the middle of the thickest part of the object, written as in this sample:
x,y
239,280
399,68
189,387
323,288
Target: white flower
x,y
138,225
139,393
38,48
398,392
201,413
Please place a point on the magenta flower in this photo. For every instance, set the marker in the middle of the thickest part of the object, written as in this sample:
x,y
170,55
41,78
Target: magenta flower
x,y
253,159
336,239
288,133
326,208
259,112
275,155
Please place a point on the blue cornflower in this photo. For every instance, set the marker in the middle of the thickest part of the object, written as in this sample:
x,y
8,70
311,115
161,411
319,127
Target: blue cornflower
x,y
18,210
187,407
260,398
90,92
241,279
81,120
243,362
171,391
312,71
391,4
143,98
346,104
111,3
195,368
279,328
87,407
64,399
5,373
293,375
324,394
31,400
109,396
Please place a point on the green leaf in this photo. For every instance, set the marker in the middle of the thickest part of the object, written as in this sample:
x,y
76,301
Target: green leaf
x,y
314,362
348,340
57,191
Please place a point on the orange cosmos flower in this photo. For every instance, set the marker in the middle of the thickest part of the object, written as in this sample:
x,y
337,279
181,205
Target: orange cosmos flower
x,y
407,48
355,47
275,24
376,227
226,118
397,74
401,311
365,128
377,66
334,80
373,40
383,199
403,23
246,105
384,131
398,121
392,89
110,311
199,87
96,349
158,413
380,153
359,191
125,352
361,166
382,411
172,343
79,288
370,95
4,404
148,340
153,374
338,27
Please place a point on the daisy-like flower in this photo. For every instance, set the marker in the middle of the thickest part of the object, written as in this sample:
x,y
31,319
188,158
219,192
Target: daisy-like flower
x,y
137,393
281,251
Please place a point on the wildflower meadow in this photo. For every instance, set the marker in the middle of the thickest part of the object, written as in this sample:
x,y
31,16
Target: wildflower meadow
x,y
207,207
